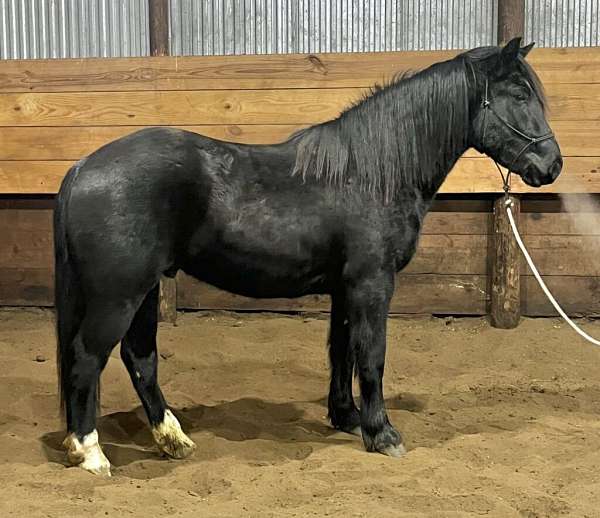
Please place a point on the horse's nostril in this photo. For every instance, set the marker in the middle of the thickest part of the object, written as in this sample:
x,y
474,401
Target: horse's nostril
x,y
555,168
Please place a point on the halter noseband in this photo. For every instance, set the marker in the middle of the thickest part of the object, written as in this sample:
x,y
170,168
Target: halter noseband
x,y
487,105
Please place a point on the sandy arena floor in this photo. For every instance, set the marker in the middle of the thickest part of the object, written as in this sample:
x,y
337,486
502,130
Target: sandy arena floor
x,y
498,423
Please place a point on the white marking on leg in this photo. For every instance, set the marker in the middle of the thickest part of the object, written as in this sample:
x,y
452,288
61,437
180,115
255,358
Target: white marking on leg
x,y
170,438
87,453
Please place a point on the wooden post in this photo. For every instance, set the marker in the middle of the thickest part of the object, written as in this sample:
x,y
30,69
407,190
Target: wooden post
x,y
167,300
158,14
506,259
506,282
511,20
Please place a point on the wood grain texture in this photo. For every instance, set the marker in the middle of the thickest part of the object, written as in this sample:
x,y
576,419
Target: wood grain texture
x,y
301,106
511,20
470,176
188,107
565,65
479,175
579,138
41,143
23,286
158,22
167,300
561,224
505,290
578,296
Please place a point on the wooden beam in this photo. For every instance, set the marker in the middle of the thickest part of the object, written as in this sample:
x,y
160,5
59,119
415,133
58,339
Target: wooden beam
x,y
158,18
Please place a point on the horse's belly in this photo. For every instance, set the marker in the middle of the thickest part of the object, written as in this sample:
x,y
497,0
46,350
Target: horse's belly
x,y
287,267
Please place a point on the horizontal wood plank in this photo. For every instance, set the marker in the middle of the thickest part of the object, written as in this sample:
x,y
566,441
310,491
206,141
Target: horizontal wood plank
x,y
560,255
25,286
578,296
479,175
301,106
447,275
298,106
414,294
43,143
470,175
457,223
567,65
26,238
561,224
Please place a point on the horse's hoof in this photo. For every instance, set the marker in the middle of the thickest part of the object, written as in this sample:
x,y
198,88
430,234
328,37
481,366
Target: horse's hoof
x,y
87,454
387,441
170,439
394,451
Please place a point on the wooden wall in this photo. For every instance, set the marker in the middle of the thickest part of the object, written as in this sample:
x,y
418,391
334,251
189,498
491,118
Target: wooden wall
x,y
54,112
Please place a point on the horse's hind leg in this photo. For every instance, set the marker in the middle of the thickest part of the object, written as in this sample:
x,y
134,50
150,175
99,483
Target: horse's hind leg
x,y
138,351
342,410
101,329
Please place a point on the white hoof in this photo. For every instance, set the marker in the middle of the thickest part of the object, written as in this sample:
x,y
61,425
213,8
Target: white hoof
x,y
170,438
87,453
394,451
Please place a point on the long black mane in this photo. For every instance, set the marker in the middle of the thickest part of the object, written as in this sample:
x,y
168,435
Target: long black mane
x,y
405,133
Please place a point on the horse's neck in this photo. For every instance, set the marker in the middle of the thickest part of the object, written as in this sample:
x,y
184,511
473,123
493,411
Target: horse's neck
x,y
439,151
442,173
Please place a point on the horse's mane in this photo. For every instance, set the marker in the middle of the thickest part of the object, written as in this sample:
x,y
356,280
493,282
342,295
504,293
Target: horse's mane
x,y
399,134
402,133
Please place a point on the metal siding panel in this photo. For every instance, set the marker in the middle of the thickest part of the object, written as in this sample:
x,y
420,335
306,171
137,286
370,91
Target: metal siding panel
x,y
562,23
32,29
94,28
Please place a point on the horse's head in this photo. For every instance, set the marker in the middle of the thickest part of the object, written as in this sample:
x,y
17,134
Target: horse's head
x,y
508,114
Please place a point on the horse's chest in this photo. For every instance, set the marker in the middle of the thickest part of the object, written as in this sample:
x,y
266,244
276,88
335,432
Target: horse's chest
x,y
404,243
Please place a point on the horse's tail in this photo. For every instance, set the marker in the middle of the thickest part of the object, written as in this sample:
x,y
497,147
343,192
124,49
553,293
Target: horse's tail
x,y
68,299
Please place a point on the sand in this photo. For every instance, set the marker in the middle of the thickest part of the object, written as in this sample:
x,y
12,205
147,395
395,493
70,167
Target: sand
x,y
498,423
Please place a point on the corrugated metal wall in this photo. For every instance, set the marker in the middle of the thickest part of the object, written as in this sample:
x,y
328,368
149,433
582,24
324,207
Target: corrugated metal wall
x,y
283,26
100,28
563,23
73,28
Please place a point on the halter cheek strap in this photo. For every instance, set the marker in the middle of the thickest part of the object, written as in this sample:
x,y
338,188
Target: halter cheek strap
x,y
530,141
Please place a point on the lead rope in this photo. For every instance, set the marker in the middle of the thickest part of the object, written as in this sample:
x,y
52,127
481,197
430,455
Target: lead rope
x,y
508,203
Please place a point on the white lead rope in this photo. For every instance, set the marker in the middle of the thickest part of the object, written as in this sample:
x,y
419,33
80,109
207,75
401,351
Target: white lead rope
x,y
539,278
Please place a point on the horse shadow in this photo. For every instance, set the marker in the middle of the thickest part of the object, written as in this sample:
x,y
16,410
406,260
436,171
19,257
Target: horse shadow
x,y
126,437
288,431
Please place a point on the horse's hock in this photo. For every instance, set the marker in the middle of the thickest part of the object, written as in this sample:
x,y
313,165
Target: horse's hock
x,y
53,112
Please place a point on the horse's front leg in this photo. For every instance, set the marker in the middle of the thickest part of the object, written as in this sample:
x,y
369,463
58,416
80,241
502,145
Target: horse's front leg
x,y
368,304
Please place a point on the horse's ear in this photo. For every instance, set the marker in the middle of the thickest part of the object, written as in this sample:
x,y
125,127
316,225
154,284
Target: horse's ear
x,y
525,50
510,52
507,58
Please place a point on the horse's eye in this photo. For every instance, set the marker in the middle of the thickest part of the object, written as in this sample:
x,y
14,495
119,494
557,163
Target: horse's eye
x,y
522,94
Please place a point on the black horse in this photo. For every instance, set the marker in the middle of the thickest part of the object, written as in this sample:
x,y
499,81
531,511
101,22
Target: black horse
x,y
336,209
